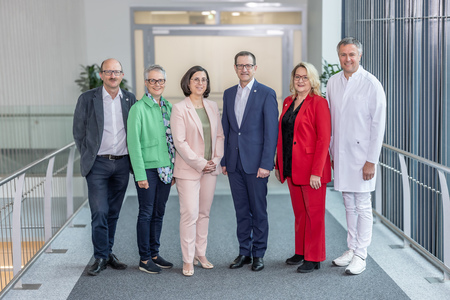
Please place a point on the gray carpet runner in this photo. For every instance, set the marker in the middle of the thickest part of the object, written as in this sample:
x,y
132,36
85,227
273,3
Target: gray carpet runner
x,y
276,281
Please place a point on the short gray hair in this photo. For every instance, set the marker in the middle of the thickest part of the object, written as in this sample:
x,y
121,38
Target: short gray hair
x,y
154,67
350,41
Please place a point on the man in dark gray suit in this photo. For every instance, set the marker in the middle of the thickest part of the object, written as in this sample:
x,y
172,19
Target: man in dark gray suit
x,y
99,131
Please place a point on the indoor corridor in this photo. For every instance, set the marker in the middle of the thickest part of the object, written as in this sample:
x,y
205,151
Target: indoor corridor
x,y
392,272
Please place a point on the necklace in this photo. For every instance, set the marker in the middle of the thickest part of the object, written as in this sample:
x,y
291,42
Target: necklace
x,y
198,104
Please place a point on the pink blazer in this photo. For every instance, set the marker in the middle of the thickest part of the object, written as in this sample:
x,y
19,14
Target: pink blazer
x,y
187,132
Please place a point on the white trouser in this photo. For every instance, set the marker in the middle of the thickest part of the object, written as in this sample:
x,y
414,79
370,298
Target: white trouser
x,y
358,207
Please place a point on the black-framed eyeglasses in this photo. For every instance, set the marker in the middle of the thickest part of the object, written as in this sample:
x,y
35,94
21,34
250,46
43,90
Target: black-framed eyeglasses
x,y
247,66
109,72
303,78
154,81
199,80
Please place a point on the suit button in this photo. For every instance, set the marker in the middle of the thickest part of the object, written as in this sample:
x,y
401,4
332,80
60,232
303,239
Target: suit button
x,y
295,143
239,133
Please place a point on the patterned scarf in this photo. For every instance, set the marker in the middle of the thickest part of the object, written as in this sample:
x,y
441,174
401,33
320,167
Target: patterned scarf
x,y
166,173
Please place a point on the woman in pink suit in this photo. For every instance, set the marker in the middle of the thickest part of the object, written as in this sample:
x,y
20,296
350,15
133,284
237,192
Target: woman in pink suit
x,y
302,159
198,139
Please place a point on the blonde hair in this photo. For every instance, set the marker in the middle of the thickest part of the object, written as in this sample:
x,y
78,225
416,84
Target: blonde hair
x,y
313,77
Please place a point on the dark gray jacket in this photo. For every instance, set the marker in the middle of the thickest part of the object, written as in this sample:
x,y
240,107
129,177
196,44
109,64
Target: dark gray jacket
x,y
88,122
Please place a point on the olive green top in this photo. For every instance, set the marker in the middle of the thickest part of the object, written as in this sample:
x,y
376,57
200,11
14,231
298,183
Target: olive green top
x,y
201,112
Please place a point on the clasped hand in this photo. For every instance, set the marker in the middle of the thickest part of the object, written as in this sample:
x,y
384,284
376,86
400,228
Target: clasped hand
x,y
210,167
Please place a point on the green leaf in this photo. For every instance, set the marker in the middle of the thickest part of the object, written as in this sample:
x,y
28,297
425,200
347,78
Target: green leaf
x,y
328,71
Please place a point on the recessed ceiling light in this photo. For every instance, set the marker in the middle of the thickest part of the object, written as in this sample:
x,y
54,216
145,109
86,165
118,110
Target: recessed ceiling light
x,y
161,12
266,4
275,32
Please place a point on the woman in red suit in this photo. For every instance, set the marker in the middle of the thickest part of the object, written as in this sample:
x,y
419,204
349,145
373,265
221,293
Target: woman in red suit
x,y
302,159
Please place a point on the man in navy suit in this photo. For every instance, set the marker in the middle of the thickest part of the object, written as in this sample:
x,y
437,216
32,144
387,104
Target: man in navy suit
x,y
250,125
99,131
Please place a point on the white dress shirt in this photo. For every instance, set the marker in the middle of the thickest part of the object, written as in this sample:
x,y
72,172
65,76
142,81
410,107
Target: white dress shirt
x,y
114,138
241,100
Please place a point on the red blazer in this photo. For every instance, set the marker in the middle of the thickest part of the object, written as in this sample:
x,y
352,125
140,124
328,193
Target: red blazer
x,y
312,134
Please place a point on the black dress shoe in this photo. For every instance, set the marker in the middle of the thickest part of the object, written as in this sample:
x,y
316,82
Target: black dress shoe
x,y
309,266
98,266
115,263
240,261
295,260
258,264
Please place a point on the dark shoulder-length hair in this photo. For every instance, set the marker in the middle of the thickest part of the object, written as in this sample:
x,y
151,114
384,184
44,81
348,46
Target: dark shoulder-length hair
x,y
185,81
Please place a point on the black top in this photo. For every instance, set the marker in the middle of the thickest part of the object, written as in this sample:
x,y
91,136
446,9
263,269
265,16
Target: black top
x,y
287,131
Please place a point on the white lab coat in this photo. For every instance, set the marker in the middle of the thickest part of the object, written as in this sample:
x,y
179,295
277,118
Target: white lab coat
x,y
358,117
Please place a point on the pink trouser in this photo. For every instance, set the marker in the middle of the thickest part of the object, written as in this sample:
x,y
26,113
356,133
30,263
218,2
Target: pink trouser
x,y
358,207
196,197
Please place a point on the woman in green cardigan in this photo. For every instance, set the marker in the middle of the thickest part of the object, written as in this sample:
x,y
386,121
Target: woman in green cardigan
x,y
151,151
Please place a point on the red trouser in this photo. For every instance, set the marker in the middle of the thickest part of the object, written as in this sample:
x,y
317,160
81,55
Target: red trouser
x,y
309,212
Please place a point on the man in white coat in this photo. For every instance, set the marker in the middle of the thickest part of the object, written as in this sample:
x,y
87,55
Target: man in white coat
x,y
358,113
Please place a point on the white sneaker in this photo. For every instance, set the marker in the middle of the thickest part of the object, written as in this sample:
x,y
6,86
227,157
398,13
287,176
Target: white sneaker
x,y
357,266
345,259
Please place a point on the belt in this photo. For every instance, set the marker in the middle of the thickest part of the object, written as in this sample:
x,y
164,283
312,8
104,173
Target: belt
x,y
112,157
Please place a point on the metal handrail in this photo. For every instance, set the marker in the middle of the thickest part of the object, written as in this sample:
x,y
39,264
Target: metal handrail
x,y
406,232
18,186
26,168
419,159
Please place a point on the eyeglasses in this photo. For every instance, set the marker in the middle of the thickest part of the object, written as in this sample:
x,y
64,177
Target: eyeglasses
x,y
247,66
154,81
199,81
109,72
303,78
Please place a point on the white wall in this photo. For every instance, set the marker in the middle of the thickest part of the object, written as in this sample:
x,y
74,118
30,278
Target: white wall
x,y
108,31
331,29
324,31
315,31
42,44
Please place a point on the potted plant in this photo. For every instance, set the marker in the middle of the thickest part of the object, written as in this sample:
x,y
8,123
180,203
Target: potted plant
x,y
328,71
